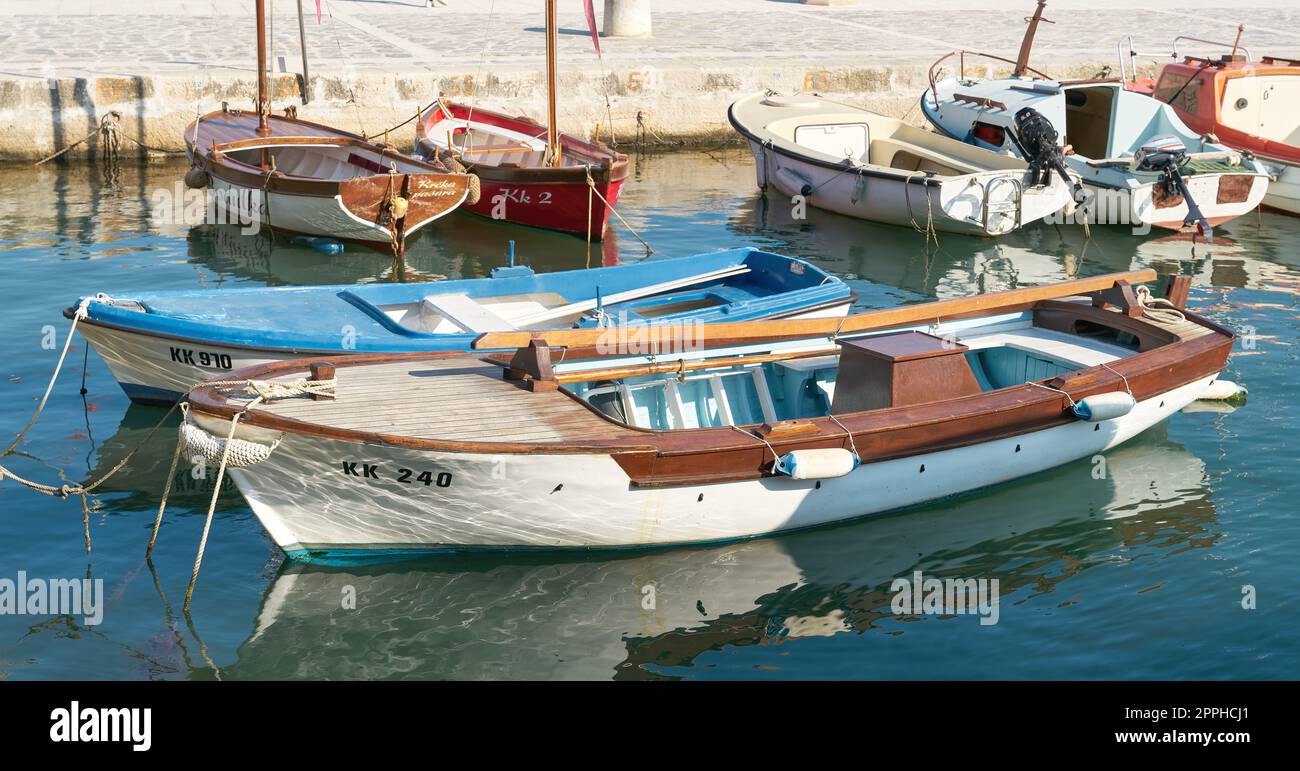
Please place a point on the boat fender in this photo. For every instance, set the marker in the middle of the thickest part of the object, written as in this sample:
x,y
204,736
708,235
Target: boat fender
x,y
326,245
197,178
398,207
826,463
474,189
1099,407
201,445
1223,391
795,181
448,158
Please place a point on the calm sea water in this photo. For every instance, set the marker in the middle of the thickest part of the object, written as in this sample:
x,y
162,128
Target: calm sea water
x,y
1138,575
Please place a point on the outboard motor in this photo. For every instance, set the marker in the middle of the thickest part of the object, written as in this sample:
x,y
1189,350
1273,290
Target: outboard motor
x,y
1166,156
1039,144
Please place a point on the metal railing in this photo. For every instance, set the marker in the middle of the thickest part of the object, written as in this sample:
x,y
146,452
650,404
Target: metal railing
x,y
961,67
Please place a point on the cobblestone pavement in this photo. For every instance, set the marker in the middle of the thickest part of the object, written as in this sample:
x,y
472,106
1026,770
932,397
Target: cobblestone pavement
x,y
55,38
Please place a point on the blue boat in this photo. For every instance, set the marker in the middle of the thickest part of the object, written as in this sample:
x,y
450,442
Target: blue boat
x,y
158,345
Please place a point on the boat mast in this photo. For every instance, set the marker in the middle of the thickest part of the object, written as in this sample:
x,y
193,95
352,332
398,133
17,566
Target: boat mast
x,y
1022,59
263,103
552,41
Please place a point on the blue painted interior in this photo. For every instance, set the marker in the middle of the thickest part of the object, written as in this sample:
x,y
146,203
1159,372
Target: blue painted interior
x,y
318,318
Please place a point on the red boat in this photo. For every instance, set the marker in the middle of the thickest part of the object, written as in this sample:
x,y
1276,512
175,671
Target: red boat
x,y
571,189
530,174
1246,103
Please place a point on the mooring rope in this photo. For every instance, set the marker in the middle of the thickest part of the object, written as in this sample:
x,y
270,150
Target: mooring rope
x,y
80,314
212,505
233,452
590,189
111,138
1157,308
929,230
83,489
591,183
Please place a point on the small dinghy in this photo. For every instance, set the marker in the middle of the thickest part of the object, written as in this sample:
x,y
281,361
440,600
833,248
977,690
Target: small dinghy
x,y
160,344
1146,166
862,164
1246,103
306,179
766,427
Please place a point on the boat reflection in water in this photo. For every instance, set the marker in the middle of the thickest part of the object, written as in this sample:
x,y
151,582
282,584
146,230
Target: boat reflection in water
x,y
464,247
1035,254
520,616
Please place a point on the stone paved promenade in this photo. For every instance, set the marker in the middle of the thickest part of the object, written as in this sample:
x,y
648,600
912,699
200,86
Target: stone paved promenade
x,y
65,63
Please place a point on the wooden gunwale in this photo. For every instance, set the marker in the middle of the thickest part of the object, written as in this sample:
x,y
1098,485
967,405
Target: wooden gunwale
x,y
581,340
703,456
232,134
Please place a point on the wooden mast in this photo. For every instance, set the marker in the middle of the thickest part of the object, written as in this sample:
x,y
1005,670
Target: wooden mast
x,y
263,103
552,130
1027,44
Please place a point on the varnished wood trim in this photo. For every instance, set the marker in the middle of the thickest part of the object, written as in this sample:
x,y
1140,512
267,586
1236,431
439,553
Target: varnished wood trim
x,y
712,455
716,334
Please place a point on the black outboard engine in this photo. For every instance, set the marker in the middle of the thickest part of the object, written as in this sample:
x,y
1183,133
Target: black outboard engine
x,y
1039,144
1166,156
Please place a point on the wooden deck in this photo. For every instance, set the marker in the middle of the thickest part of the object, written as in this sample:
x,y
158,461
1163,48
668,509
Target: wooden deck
x,y
223,128
1186,330
458,399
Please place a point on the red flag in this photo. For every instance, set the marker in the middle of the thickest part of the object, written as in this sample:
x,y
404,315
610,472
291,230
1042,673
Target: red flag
x,y
591,25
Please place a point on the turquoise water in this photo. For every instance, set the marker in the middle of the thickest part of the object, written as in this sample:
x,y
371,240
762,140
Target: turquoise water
x,y
1138,575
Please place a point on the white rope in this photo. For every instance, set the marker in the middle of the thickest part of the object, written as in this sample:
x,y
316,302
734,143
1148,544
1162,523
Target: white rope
x,y
775,458
852,443
212,506
230,452
1057,390
239,453
1121,377
1157,308
40,407
167,489
269,390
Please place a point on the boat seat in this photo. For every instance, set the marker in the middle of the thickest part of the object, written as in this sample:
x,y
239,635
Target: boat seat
x,y
949,164
1054,344
466,313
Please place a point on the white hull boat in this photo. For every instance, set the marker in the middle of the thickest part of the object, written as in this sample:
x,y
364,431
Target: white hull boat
x,y
1145,166
1284,191
159,345
769,427
861,164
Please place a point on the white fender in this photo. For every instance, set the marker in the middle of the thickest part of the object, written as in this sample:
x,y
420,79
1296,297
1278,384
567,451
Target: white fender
x,y
826,463
1223,390
1107,406
794,181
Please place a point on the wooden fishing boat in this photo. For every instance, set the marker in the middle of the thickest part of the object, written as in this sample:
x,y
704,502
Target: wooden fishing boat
x,y
573,441
816,583
860,163
158,345
531,174
1146,167
1247,103
297,177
